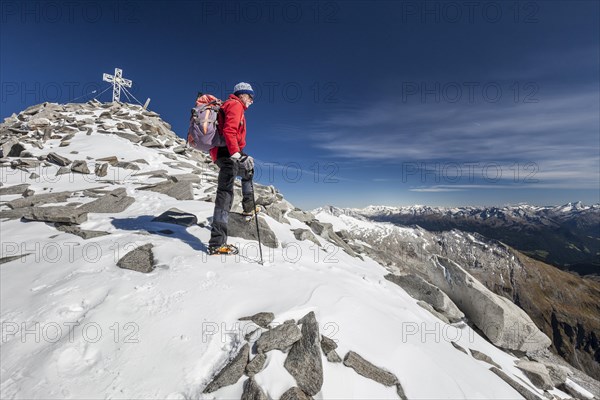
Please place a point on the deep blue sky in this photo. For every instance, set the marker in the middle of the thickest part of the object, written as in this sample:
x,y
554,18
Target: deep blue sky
x,y
359,102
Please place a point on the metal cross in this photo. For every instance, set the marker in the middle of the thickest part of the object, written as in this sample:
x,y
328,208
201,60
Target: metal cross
x,y
117,81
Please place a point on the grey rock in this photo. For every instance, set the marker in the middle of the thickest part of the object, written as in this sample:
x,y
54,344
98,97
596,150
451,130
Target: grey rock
x,y
179,149
558,373
256,364
185,178
101,169
70,215
177,190
420,289
115,201
177,217
252,336
161,172
279,338
294,393
80,166
432,310
368,370
325,230
140,259
523,391
333,357
39,199
8,259
16,150
14,189
111,160
302,216
262,319
484,357
28,193
305,234
252,391
304,361
327,344
127,165
129,136
277,211
33,176
400,392
232,371
239,227
459,347
76,230
63,171
58,160
495,315
149,141
537,373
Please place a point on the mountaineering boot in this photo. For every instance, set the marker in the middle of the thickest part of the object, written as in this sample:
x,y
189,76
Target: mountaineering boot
x,y
224,249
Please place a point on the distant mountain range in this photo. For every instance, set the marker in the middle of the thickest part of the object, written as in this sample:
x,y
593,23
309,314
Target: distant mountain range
x,y
566,236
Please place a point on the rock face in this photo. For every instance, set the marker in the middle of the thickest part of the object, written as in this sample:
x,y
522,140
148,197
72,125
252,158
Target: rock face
x,y
500,320
232,372
281,337
304,359
420,289
140,259
368,370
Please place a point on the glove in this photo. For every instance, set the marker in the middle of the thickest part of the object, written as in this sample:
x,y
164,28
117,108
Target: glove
x,y
246,162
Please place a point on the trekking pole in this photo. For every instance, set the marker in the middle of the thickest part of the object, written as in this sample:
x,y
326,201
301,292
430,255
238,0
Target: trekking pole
x,y
256,216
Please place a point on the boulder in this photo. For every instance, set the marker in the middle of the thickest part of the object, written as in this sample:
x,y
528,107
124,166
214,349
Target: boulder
x,y
252,391
279,338
239,227
101,169
459,347
420,289
141,259
305,234
177,190
232,371
327,344
38,199
115,201
304,361
14,189
500,320
302,216
294,393
256,365
262,319
368,370
80,166
70,215
537,373
177,217
58,160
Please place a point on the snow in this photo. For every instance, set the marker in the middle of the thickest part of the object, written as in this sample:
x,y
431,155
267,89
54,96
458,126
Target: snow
x,y
74,325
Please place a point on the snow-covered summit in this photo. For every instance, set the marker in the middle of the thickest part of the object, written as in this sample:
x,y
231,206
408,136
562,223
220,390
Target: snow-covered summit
x,y
82,186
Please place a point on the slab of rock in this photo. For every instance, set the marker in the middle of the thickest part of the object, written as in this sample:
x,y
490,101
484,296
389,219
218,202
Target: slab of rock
x,y
327,344
484,357
252,391
523,391
304,361
38,199
177,190
305,234
112,160
71,215
232,371
262,319
76,230
279,338
537,373
256,365
140,259
80,166
501,321
115,201
101,169
58,160
459,347
14,189
294,393
420,289
368,370
177,217
239,227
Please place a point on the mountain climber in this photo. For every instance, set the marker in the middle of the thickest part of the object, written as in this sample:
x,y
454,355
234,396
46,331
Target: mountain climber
x,y
232,162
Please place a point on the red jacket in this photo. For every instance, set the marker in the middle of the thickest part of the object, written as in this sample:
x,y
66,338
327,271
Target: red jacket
x,y
233,126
